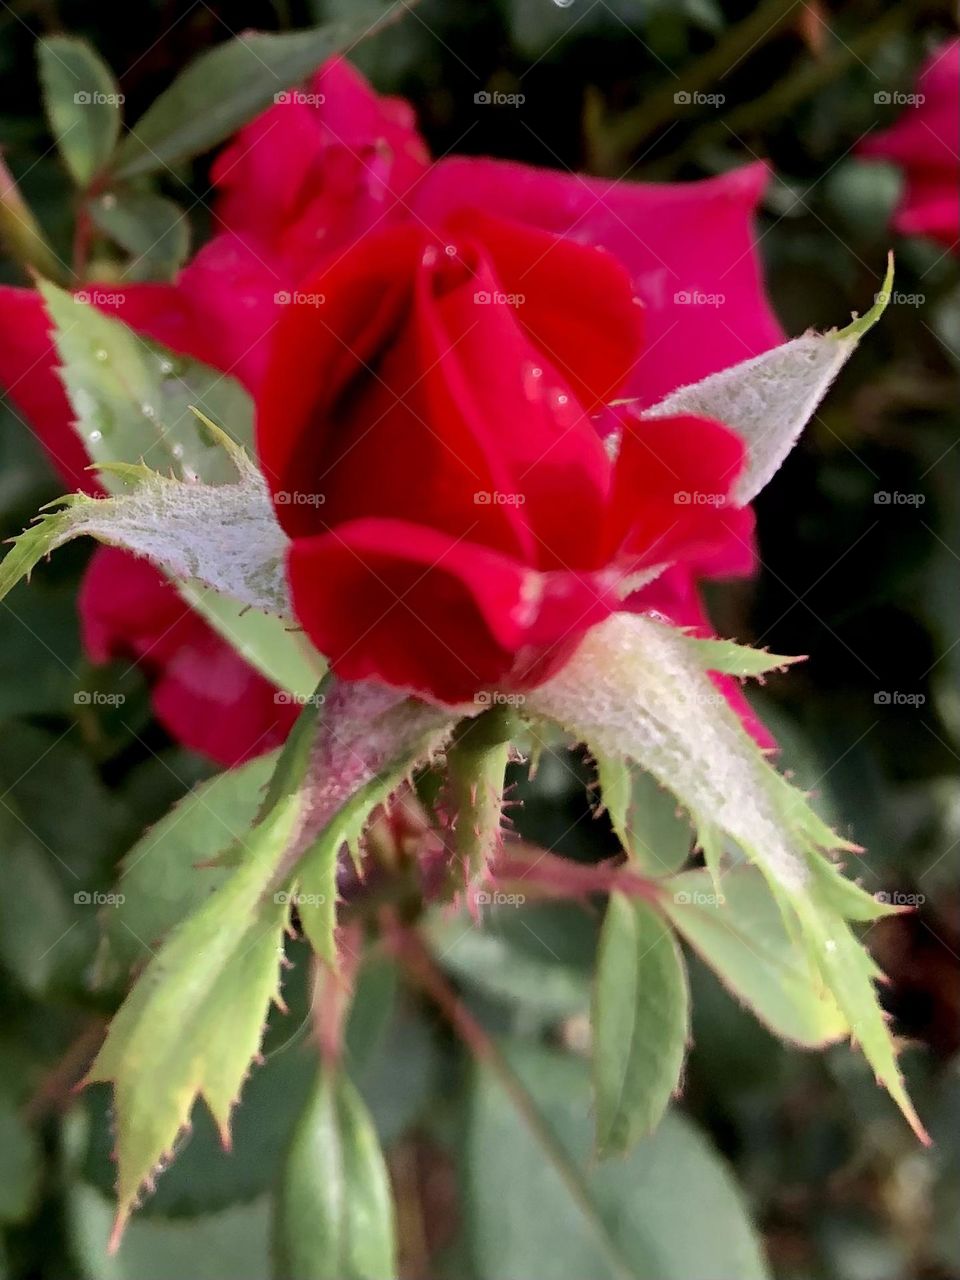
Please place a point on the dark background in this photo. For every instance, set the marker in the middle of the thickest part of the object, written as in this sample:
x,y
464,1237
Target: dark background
x,y
837,1184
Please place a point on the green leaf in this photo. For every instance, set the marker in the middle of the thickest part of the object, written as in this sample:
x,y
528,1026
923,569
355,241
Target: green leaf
x,y
226,536
194,1020
850,973
737,659
20,1165
744,939
163,877
224,88
769,399
641,1023
525,1220
635,690
490,962
133,401
334,1217
82,101
212,1246
284,655
644,816
36,923
153,230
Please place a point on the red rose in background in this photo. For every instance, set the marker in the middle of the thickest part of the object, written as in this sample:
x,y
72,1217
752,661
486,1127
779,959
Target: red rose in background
x,y
296,188
925,144
456,521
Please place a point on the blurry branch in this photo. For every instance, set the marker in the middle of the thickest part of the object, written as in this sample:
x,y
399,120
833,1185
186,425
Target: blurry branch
x,y
612,149
612,143
418,964
804,83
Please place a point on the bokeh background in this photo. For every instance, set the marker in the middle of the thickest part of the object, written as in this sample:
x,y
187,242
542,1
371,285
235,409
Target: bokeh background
x,y
837,1185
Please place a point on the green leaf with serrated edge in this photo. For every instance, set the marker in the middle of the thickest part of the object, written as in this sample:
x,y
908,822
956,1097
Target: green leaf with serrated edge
x,y
769,399
644,816
224,88
741,935
334,1212
226,536
154,231
489,962
737,659
641,1023
163,877
82,101
635,690
847,898
270,644
627,1219
133,400
193,1022
850,973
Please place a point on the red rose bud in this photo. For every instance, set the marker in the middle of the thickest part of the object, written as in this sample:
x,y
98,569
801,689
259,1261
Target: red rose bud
x,y
456,521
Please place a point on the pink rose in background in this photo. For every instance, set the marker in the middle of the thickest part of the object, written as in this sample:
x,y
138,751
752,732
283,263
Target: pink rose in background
x,y
295,189
925,144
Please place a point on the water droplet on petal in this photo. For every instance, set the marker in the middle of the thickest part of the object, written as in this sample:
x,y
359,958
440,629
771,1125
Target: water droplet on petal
x,y
563,4
94,436
451,250
148,411
100,354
